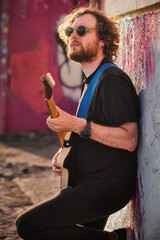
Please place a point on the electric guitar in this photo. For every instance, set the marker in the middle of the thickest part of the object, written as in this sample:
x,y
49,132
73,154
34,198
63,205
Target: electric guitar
x,y
48,85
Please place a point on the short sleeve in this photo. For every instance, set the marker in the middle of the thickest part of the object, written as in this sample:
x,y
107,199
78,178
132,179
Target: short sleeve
x,y
118,100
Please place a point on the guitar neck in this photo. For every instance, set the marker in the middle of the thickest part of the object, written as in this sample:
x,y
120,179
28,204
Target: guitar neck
x,y
54,114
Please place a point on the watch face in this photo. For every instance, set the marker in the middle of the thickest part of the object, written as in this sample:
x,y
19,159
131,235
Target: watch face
x,y
85,135
87,131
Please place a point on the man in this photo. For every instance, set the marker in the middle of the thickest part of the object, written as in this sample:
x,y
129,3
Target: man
x,y
103,174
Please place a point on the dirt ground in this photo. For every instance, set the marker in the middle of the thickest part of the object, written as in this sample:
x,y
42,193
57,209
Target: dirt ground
x,y
26,178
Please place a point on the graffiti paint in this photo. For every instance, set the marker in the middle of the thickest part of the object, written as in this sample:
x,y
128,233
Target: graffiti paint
x,y
139,57
34,51
138,41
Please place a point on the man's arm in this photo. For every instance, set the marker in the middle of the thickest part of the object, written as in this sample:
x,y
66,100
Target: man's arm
x,y
124,137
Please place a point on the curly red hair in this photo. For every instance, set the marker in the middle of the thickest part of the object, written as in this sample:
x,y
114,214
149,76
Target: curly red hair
x,y
107,30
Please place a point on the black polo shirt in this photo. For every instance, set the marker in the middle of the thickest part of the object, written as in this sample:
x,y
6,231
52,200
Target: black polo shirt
x,y
110,170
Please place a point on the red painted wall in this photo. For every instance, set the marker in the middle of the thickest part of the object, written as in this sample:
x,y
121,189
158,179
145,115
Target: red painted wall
x,y
32,52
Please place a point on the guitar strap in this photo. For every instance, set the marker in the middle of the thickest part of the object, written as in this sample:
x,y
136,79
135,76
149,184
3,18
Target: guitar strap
x,y
86,100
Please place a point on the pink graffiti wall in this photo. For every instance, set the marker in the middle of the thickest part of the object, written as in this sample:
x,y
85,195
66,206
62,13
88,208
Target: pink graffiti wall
x,y
139,45
139,39
33,50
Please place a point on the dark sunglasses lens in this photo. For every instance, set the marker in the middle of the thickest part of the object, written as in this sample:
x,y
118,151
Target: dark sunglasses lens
x,y
68,31
81,30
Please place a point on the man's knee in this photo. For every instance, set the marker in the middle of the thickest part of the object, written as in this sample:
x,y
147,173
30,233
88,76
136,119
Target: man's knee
x,y
22,225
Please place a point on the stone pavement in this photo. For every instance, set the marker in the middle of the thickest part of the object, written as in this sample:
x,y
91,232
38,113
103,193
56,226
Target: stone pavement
x,y
26,178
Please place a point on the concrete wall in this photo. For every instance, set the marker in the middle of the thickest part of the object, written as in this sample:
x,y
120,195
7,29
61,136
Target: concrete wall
x,y
117,7
140,58
30,48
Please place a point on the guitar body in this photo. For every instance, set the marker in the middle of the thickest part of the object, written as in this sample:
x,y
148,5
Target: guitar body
x,y
48,84
60,163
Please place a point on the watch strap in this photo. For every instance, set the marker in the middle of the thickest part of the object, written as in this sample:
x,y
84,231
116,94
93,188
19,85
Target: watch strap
x,y
87,131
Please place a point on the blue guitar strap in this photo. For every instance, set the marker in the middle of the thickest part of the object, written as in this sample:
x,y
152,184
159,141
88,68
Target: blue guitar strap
x,y
86,100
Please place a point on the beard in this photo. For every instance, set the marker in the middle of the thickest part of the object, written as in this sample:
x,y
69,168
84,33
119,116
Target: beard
x,y
81,54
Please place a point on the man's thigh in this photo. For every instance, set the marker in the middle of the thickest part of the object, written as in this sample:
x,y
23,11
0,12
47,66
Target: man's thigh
x,y
71,206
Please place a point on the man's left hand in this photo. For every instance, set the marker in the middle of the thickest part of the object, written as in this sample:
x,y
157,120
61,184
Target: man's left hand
x,y
66,122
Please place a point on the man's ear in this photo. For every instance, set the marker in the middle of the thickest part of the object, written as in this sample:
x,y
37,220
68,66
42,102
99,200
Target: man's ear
x,y
101,43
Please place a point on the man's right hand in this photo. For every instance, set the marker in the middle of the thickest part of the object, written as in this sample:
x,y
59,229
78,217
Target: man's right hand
x,y
56,169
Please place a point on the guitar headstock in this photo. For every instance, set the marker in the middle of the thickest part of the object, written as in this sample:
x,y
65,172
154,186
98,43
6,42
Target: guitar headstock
x,y
48,85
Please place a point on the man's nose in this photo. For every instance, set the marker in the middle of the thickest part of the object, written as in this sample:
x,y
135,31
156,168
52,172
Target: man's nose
x,y
74,34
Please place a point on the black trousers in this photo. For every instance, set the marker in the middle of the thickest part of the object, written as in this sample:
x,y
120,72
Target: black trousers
x,y
74,213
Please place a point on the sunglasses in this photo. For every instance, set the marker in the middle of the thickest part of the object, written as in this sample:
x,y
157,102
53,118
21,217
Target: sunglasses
x,y
81,30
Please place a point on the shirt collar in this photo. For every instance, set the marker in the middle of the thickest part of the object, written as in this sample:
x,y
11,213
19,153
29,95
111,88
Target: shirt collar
x,y
88,79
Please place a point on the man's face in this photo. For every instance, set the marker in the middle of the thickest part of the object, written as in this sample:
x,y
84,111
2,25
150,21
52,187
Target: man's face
x,y
84,48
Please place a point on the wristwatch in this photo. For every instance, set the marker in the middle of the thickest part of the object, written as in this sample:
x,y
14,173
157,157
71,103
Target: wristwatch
x,y
87,131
